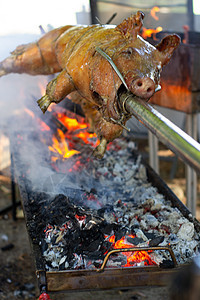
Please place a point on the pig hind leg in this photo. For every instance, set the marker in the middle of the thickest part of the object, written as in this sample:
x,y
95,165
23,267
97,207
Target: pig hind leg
x,y
28,59
38,58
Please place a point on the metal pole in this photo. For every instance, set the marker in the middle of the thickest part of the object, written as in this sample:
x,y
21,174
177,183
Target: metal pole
x,y
153,151
191,187
168,133
93,11
190,14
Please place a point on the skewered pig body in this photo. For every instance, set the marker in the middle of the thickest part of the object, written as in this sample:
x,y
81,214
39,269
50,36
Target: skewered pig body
x,y
88,76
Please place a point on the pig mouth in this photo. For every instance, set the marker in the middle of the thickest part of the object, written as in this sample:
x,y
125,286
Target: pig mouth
x,y
122,89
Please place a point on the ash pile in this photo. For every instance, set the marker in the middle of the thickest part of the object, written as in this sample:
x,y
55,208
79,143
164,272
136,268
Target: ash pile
x,y
101,205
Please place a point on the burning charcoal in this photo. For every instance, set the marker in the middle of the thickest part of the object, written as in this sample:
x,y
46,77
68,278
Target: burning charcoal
x,y
167,264
94,254
186,232
54,264
157,256
156,241
120,233
134,224
173,239
141,235
107,228
78,262
150,235
135,241
62,263
58,238
117,169
150,220
79,215
109,217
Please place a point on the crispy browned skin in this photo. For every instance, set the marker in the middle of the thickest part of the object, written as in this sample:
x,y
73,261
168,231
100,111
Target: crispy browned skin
x,y
71,50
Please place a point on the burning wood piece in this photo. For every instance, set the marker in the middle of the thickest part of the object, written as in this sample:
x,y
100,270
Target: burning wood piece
x,y
76,52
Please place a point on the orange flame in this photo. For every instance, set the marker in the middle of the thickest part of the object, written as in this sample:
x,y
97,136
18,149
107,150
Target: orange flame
x,y
147,33
153,12
132,258
186,29
60,147
86,136
151,32
70,123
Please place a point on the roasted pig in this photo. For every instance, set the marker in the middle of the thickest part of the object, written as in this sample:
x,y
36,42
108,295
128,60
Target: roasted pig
x,y
88,76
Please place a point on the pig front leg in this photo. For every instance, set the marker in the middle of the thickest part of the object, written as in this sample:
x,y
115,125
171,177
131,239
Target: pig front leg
x,y
56,90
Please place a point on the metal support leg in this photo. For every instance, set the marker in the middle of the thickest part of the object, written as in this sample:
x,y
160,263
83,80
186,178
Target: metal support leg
x,y
191,176
13,190
153,151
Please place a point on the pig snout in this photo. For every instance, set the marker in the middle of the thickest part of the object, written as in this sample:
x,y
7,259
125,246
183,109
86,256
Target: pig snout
x,y
143,87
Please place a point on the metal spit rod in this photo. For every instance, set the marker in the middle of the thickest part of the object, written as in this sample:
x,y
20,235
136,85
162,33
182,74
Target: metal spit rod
x,y
168,133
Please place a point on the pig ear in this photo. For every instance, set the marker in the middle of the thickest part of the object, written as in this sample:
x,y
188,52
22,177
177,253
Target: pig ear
x,y
131,27
167,46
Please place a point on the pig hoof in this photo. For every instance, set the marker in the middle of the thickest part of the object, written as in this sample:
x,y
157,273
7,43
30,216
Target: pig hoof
x,y
44,103
100,149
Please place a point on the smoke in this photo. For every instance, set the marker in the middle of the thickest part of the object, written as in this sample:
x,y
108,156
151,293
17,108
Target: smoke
x,y
17,92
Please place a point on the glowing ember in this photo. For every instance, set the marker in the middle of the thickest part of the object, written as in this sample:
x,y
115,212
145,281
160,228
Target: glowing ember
x,y
81,220
60,147
133,258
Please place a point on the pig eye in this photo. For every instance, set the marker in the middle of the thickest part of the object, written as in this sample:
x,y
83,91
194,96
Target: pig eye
x,y
129,51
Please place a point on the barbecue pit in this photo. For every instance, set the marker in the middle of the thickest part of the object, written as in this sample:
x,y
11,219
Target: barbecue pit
x,y
69,201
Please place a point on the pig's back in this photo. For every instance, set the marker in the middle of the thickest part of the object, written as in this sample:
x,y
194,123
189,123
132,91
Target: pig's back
x,y
78,57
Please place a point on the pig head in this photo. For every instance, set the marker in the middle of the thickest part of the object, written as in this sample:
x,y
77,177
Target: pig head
x,y
139,62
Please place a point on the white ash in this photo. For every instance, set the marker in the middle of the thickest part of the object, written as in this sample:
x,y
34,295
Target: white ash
x,y
135,204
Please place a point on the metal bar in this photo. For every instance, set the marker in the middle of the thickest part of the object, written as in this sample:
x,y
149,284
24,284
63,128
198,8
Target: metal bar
x,y
168,133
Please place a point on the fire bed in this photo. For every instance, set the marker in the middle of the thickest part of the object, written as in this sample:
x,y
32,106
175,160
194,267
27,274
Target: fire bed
x,y
97,224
